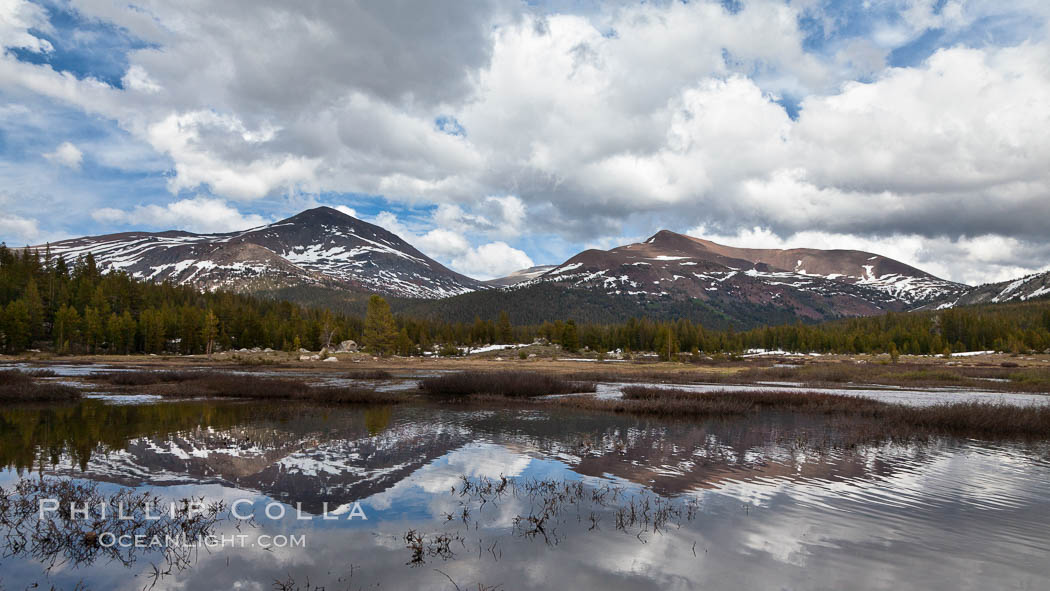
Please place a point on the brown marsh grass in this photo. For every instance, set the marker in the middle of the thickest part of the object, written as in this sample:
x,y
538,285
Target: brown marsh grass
x,y
758,400
659,375
18,386
979,419
220,385
669,402
1006,379
369,374
191,384
147,378
962,418
512,384
39,372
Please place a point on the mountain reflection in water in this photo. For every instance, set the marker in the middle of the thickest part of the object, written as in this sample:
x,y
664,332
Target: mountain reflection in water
x,y
776,501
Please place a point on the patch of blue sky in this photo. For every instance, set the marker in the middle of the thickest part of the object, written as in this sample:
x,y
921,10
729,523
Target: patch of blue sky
x,y
756,71
832,21
791,103
732,6
992,31
546,248
116,169
450,125
86,48
29,129
917,50
828,25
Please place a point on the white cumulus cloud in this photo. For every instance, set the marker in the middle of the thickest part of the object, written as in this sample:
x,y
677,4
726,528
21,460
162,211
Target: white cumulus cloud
x,y
17,17
442,243
491,260
347,210
67,155
200,214
16,230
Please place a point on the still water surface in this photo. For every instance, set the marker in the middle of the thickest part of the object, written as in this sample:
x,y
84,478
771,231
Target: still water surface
x,y
757,503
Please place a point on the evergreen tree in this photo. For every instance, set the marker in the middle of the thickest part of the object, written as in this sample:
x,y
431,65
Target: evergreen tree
x,y
478,333
94,329
405,346
570,340
114,336
127,332
506,333
67,328
380,330
210,331
35,305
665,344
151,327
16,326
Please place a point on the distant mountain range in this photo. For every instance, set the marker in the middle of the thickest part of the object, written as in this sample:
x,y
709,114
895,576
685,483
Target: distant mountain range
x,y
325,255
806,280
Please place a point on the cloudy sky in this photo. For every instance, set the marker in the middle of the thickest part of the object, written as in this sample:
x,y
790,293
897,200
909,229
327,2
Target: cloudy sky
x,y
494,135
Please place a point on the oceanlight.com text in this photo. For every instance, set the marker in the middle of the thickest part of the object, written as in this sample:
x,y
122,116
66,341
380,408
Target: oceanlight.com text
x,y
110,540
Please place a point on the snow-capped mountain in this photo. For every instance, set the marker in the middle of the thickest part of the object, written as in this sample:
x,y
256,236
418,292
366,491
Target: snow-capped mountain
x,y
319,246
1026,288
814,283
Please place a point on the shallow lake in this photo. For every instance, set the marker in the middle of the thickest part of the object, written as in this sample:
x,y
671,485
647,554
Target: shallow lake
x,y
592,501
